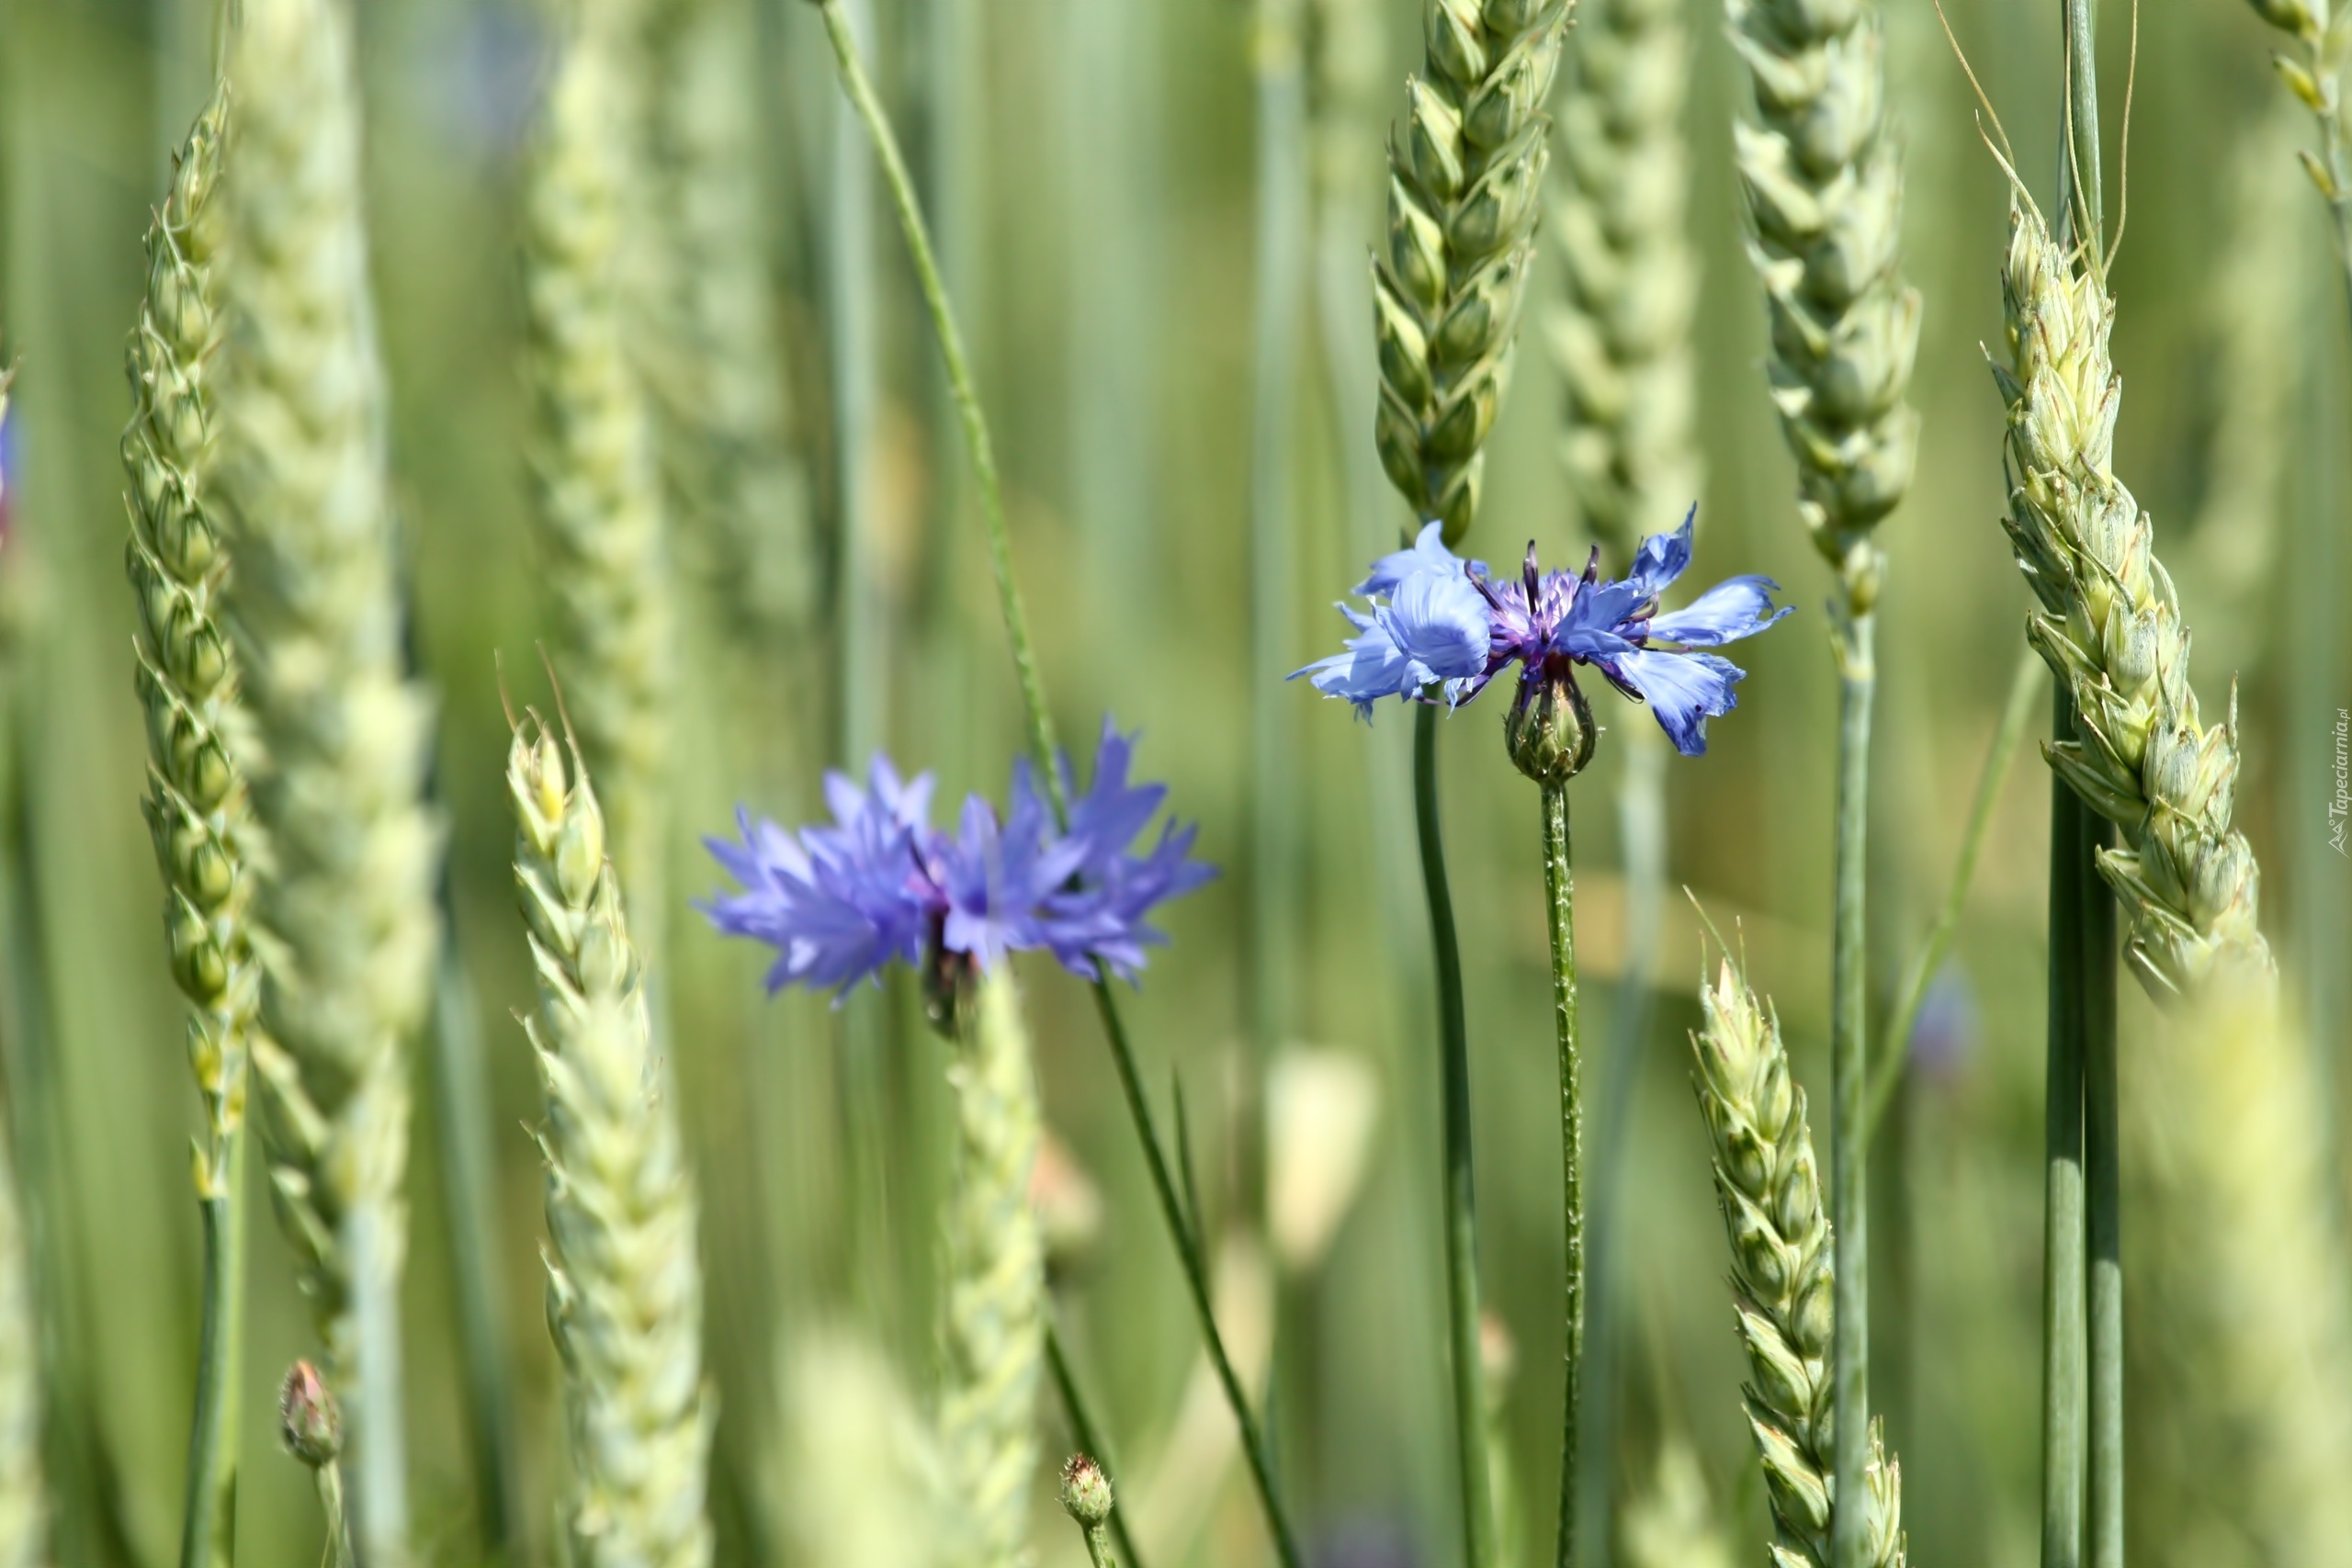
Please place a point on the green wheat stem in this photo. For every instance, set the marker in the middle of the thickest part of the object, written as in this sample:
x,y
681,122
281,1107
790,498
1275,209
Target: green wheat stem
x,y
859,87
1928,962
1461,1196
1849,1079
1083,1427
1559,908
2063,1371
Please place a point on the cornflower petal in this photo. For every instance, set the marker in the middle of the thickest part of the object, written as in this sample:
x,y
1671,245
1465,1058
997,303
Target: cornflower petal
x,y
1684,690
1427,553
1731,609
1661,559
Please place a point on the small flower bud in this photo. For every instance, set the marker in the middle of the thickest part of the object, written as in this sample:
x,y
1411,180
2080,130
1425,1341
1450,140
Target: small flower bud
x,y
307,1417
1086,1491
1550,728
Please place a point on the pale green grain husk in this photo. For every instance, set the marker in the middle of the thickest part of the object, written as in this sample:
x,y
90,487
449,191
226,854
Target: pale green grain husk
x,y
1465,171
2243,1433
715,356
1823,187
24,1498
601,538
1621,333
624,1277
1769,1188
347,926
2110,627
995,1326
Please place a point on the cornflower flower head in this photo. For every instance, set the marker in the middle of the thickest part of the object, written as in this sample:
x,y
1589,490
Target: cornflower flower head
x,y
1441,628
840,901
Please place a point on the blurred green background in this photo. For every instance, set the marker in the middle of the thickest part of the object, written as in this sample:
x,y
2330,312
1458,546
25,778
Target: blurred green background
x,y
1092,164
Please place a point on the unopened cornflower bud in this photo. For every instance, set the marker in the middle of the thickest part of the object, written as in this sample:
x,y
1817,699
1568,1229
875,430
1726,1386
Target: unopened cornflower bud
x,y
1550,729
307,1417
1086,1490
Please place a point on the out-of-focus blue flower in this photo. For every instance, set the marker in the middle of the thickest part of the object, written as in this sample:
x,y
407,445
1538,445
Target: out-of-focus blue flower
x,y
1428,606
839,901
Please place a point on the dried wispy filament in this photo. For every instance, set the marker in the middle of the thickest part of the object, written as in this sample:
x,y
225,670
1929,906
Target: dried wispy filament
x,y
1622,336
1770,1190
2109,625
624,1279
1823,187
24,1498
1466,179
715,360
345,905
198,807
601,534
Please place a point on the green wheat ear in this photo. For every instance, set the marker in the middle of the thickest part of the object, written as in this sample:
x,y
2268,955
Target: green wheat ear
x,y
600,536
624,1277
1769,1188
348,927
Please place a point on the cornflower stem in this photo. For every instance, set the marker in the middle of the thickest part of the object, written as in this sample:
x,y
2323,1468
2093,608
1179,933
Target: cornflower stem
x,y
1848,1076
209,1521
1461,1193
1559,908
336,1506
1088,1435
2062,1320
859,86
1895,1045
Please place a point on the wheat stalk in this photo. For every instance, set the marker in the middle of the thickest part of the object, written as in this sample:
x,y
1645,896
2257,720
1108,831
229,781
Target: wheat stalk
x,y
1621,334
995,1288
1465,177
1824,187
715,364
1770,1191
2109,625
198,807
24,1498
600,534
623,1280
344,904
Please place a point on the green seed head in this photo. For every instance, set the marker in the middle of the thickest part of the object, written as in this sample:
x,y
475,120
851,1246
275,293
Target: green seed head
x,y
1086,1491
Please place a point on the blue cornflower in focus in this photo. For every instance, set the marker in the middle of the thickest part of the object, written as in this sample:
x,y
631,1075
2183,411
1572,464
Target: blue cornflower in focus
x,y
1440,626
840,901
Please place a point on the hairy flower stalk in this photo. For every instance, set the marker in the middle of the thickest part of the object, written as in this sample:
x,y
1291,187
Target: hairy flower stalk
x,y
994,1330
198,807
1783,1288
714,362
347,926
1466,179
623,1280
2109,627
24,1498
600,536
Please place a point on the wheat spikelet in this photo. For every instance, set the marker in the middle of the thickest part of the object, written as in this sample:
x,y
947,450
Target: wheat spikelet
x,y
2109,625
1465,177
1622,335
995,1323
623,1281
1824,188
715,360
345,903
600,535
23,1500
198,807
1770,1191
2240,1317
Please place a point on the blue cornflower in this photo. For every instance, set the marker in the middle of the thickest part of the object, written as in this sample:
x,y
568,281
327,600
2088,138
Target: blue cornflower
x,y
1439,621
839,902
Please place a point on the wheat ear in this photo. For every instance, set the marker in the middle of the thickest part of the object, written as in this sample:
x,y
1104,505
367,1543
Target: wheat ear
x,y
1622,335
24,1498
2323,31
345,903
715,365
600,534
198,807
1466,175
1824,187
624,1279
1770,1191
996,1280
2109,625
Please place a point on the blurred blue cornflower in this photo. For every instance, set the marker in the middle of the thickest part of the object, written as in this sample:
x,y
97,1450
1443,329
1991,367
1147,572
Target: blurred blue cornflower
x,y
838,902
1436,620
